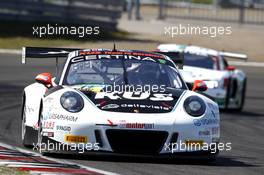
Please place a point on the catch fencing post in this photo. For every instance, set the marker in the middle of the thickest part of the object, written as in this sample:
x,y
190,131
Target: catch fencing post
x,y
242,12
161,9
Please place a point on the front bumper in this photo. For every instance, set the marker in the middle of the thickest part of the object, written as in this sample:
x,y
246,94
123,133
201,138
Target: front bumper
x,y
133,141
135,133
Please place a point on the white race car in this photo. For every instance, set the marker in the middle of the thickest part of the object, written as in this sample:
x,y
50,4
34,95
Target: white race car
x,y
120,102
226,84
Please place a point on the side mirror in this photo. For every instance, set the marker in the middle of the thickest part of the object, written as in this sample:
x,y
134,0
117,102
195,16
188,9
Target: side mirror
x,y
230,68
45,79
199,85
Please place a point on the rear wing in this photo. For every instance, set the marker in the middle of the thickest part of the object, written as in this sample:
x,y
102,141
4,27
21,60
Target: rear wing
x,y
234,55
176,57
44,52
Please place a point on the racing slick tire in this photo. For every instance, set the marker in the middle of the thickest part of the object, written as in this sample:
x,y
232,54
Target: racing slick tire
x,y
242,101
40,137
243,95
227,95
42,141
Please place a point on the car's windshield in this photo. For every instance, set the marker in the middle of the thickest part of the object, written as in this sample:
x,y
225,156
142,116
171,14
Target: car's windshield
x,y
202,61
122,71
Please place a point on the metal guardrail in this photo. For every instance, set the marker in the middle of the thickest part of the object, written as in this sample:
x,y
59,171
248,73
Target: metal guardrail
x,y
218,10
102,13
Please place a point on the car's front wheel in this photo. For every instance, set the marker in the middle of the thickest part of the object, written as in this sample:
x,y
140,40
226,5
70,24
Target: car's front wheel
x,y
41,145
243,95
27,139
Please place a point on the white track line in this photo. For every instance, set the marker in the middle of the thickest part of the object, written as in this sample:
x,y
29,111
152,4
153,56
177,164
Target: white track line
x,y
53,159
11,51
236,63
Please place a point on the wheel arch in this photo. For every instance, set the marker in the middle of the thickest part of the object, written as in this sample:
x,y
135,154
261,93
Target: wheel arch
x,y
33,95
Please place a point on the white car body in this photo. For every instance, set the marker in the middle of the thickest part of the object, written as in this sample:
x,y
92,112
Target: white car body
x,y
227,96
44,115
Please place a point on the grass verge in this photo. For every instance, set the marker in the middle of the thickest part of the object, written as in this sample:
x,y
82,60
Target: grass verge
x,y
14,35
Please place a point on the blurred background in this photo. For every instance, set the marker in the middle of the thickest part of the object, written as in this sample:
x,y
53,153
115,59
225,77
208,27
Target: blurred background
x,y
134,24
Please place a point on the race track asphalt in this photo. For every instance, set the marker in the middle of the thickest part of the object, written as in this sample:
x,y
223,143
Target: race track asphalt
x,y
245,130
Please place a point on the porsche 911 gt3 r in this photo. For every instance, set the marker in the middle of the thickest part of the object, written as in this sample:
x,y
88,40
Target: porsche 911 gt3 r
x,y
226,84
123,102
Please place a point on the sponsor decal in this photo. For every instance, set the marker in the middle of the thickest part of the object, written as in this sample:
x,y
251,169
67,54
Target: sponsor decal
x,y
63,128
134,96
215,130
75,139
204,132
91,88
136,105
48,125
48,134
63,117
137,125
162,61
202,122
115,55
110,106
145,106
92,57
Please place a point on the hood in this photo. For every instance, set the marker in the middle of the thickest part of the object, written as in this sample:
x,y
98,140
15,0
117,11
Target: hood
x,y
131,102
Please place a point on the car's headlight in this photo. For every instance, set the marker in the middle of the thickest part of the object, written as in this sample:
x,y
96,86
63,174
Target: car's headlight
x,y
194,106
71,101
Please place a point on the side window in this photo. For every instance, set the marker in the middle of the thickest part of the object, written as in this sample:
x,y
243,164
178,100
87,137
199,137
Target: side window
x,y
175,80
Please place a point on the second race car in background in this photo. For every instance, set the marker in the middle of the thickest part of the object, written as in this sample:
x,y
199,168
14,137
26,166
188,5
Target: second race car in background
x,y
226,84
